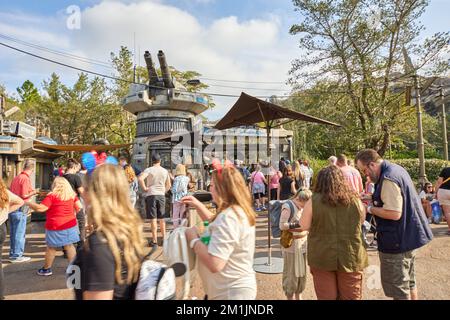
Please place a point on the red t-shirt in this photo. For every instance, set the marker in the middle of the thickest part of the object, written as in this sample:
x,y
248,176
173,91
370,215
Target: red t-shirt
x,y
21,185
60,214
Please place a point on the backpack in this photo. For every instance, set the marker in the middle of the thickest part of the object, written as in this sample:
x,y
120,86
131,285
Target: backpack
x,y
275,208
176,250
157,281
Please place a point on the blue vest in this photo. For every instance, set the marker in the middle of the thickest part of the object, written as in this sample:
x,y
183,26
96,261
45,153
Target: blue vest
x,y
412,230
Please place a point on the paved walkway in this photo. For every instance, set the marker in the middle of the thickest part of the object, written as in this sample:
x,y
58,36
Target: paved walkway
x,y
433,270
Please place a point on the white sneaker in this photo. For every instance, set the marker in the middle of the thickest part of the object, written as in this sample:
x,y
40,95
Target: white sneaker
x,y
20,259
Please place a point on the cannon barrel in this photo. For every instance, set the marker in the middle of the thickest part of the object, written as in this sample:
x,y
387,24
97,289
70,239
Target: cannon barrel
x,y
167,77
152,75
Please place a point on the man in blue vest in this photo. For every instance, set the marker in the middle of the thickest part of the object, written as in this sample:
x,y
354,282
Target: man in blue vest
x,y
402,225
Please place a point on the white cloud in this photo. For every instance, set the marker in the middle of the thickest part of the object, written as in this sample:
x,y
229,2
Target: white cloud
x,y
256,49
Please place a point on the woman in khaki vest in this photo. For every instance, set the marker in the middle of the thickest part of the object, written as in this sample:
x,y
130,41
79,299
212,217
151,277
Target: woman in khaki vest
x,y
336,253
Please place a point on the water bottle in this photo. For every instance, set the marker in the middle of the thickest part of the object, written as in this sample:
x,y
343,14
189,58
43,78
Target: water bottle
x,y
206,236
436,211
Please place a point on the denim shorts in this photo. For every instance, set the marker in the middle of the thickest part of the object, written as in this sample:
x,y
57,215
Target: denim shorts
x,y
61,238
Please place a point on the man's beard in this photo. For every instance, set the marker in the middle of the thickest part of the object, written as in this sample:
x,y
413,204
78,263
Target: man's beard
x,y
374,178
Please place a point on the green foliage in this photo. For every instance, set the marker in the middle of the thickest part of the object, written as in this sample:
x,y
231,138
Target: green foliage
x,y
350,72
432,167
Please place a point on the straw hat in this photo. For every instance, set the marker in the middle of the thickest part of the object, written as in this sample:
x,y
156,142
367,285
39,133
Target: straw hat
x,y
180,170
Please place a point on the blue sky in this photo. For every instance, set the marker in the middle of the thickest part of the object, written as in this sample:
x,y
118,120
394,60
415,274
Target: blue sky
x,y
224,39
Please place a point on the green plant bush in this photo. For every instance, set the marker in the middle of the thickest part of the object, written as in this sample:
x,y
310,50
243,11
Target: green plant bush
x,y
432,167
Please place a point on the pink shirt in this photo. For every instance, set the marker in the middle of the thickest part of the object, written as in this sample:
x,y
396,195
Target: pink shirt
x,y
275,180
353,178
258,177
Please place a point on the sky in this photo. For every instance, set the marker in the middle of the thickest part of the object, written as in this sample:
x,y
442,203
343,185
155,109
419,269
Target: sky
x,y
238,40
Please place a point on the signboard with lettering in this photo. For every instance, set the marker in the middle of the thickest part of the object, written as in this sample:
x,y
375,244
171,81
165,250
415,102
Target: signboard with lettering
x,y
24,130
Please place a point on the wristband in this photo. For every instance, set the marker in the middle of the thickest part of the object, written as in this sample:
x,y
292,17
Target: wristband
x,y
369,209
193,242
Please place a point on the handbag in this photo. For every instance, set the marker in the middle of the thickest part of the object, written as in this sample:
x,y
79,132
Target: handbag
x,y
287,238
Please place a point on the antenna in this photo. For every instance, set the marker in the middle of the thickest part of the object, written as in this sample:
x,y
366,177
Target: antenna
x,y
134,56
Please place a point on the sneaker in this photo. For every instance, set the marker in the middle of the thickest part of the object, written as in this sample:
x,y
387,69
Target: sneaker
x,y
45,272
264,208
19,259
258,209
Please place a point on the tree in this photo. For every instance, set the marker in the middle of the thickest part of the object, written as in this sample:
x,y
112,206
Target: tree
x,y
353,52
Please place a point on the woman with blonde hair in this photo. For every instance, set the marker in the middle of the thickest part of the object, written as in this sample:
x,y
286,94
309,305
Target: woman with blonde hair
x,y
225,264
299,176
179,190
61,229
9,202
112,255
336,252
294,267
133,183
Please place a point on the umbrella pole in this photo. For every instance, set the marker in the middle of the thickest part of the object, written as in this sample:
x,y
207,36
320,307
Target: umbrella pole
x,y
269,261
268,264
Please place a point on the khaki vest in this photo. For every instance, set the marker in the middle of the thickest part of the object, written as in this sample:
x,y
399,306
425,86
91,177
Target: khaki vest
x,y
335,241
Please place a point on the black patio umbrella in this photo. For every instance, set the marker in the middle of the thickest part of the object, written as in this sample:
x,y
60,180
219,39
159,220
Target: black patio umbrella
x,y
249,110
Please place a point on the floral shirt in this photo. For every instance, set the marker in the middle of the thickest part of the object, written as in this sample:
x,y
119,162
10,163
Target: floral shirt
x,y
179,188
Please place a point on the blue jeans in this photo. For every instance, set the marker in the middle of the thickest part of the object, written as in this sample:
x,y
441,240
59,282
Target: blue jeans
x,y
18,224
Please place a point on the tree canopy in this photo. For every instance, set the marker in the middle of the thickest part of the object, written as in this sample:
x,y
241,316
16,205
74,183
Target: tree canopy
x,y
352,71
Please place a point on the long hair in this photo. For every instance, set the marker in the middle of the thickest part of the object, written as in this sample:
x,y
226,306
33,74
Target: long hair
x,y
287,172
62,189
4,198
298,173
232,191
129,172
335,191
111,213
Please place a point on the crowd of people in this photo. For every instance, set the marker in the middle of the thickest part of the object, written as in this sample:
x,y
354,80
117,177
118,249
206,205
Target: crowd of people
x,y
92,216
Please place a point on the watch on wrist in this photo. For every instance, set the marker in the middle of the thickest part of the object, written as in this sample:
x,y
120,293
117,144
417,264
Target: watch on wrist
x,y
193,242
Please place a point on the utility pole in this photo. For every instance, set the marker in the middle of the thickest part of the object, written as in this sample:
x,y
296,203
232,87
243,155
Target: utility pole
x,y
2,111
420,144
444,124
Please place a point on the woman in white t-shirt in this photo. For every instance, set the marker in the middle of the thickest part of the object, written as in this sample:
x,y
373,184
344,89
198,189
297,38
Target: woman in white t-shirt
x,y
225,265
9,202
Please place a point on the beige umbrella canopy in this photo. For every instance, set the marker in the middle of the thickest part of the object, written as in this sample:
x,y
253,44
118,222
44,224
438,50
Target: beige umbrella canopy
x,y
249,110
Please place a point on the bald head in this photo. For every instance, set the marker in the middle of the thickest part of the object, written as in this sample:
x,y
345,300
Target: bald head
x,y
341,160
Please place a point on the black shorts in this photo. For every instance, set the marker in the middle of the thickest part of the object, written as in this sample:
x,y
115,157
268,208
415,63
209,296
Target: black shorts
x,y
155,207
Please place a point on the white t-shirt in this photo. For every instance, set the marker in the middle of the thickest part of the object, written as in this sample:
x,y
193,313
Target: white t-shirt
x,y
428,196
233,240
156,180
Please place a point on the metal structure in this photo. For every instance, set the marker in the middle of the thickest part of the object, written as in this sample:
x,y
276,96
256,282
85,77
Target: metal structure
x,y
162,107
444,124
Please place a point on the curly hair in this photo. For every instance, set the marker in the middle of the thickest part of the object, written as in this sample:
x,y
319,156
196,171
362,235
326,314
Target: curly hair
x,y
4,198
334,189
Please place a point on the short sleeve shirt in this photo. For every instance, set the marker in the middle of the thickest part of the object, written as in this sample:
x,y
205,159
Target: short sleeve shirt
x,y
21,185
445,174
75,181
391,196
60,214
232,240
97,267
156,180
